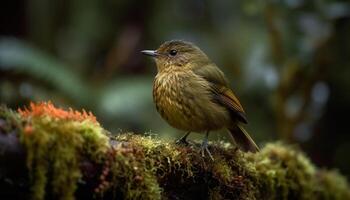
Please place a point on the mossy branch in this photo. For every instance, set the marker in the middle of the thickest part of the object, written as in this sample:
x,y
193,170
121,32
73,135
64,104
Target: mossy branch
x,y
49,153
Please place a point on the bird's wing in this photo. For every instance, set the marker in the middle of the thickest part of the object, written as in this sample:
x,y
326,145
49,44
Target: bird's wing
x,y
227,98
221,92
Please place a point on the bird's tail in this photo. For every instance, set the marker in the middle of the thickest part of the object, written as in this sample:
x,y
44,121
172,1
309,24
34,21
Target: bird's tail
x,y
242,138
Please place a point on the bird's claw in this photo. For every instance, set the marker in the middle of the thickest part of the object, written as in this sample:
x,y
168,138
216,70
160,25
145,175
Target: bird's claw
x,y
204,148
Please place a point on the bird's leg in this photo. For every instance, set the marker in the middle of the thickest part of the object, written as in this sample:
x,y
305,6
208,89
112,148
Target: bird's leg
x,y
182,140
204,147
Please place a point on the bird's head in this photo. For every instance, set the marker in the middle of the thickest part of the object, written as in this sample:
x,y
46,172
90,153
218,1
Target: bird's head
x,y
178,54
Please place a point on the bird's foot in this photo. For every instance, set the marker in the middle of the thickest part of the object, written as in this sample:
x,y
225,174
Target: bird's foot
x,y
204,149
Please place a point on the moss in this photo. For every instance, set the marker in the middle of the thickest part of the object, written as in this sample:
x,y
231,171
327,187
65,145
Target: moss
x,y
237,176
131,177
184,167
279,171
54,149
214,194
162,157
9,120
146,163
283,172
144,167
332,185
222,171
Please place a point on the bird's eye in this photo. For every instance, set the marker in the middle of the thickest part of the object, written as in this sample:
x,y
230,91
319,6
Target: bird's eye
x,y
173,52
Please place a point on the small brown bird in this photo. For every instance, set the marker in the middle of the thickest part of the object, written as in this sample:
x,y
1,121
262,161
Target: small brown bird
x,y
191,93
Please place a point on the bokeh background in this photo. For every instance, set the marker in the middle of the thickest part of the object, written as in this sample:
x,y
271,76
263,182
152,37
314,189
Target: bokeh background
x,y
288,61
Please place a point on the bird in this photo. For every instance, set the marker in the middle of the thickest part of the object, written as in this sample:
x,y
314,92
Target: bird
x,y
192,94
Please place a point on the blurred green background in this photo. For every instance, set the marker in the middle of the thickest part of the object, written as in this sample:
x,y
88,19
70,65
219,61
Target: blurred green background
x,y
287,60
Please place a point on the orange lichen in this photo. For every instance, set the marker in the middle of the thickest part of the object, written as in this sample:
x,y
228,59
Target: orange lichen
x,y
48,109
28,129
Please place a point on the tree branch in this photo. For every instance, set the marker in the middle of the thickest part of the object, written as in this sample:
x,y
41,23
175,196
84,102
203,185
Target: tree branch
x,y
60,154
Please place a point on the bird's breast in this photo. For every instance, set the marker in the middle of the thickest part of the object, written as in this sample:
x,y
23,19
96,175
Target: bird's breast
x,y
171,103
184,101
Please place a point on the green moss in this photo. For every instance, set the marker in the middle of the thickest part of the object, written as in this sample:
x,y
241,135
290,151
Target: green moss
x,y
331,185
132,179
162,157
11,120
144,167
222,171
284,172
54,149
278,172
236,174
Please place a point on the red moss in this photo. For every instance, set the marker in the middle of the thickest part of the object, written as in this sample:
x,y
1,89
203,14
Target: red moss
x,y
48,109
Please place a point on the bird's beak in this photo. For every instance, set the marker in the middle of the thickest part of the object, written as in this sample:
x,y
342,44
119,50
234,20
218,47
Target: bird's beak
x,y
150,53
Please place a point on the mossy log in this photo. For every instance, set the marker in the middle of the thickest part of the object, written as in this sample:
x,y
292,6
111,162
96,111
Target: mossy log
x,y
50,153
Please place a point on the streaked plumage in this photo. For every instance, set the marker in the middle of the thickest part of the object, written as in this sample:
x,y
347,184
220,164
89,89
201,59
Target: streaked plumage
x,y
191,93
